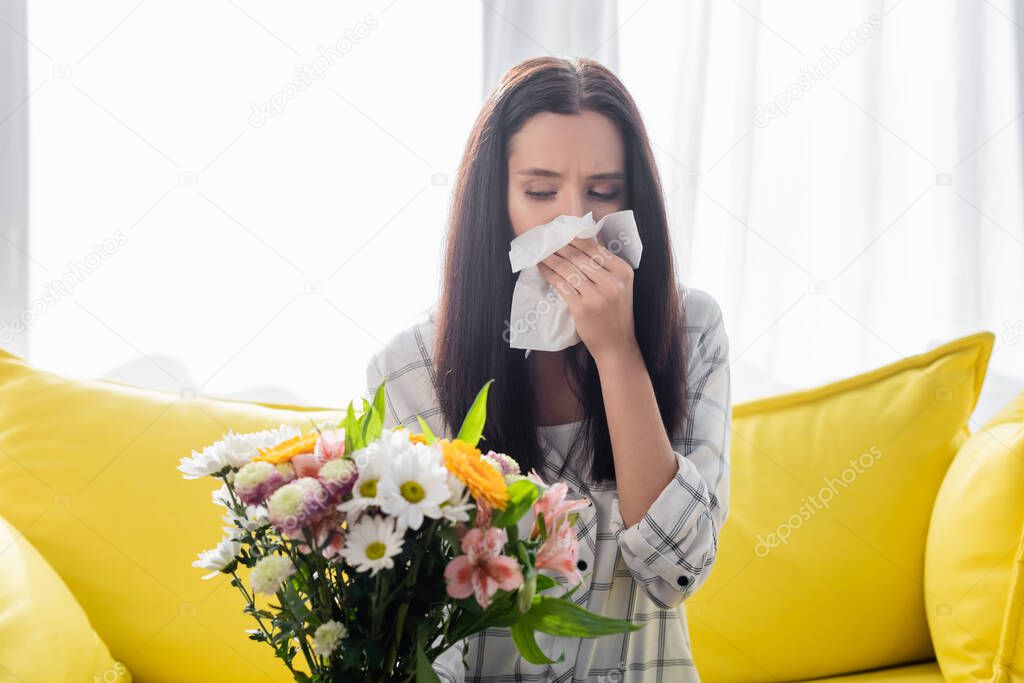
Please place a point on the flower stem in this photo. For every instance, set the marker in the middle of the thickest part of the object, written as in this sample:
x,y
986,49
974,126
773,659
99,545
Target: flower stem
x,y
250,601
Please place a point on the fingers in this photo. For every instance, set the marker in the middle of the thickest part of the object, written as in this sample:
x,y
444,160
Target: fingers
x,y
565,284
590,260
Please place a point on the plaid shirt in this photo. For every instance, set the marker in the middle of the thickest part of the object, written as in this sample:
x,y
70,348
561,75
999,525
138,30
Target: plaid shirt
x,y
640,573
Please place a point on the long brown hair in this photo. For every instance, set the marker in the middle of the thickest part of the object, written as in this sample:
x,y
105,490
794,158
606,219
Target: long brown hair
x,y
476,297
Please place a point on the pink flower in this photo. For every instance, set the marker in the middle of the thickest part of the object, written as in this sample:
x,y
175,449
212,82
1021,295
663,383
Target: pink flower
x,y
559,553
482,569
330,445
560,549
555,508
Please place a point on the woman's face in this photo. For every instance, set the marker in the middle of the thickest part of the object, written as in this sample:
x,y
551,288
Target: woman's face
x,y
565,164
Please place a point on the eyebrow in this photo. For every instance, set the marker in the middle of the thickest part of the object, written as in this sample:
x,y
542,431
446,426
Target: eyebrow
x,y
543,172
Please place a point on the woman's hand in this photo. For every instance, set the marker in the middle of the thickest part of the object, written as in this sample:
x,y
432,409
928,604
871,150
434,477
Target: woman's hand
x,y
597,285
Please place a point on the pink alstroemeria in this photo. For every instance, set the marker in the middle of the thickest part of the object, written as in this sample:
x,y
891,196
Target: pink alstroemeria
x,y
482,569
555,507
560,552
560,549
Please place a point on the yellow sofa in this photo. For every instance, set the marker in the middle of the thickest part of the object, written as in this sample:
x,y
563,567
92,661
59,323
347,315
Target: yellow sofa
x,y
88,479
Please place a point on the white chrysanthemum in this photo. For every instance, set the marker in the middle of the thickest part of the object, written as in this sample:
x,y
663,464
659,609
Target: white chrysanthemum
x,y
221,496
240,448
327,636
458,505
209,462
270,572
269,438
371,544
220,557
416,488
234,450
256,517
374,465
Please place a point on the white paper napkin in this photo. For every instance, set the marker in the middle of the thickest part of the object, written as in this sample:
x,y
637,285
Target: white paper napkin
x,y
540,319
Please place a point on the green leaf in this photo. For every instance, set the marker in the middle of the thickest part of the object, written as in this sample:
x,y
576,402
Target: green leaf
x,y
424,670
377,419
544,582
364,429
473,426
472,619
521,495
296,606
526,642
561,617
426,431
352,440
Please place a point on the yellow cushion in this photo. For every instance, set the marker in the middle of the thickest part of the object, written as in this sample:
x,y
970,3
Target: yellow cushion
x,y
974,564
821,559
44,634
926,672
87,473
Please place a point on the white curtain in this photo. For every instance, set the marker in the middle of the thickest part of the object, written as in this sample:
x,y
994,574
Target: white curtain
x,y
515,30
238,199
846,178
14,255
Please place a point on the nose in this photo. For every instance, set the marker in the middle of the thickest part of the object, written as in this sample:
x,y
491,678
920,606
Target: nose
x,y
572,204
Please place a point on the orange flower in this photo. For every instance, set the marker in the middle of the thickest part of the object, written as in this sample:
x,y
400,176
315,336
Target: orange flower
x,y
483,481
286,450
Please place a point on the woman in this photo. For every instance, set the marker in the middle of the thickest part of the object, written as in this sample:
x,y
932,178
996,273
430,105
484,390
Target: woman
x,y
636,417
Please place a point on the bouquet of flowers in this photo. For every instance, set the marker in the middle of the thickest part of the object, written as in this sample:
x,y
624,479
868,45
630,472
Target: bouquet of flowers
x,y
383,548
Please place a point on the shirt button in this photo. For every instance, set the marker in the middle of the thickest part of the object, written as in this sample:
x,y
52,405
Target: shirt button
x,y
582,565
683,581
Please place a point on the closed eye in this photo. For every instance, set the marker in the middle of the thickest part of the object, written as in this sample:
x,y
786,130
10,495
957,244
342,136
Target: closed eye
x,y
596,195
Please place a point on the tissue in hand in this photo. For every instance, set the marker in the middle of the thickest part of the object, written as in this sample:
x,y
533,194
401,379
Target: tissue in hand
x,y
540,319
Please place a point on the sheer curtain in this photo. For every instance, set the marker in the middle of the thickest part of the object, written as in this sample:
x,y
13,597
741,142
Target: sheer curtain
x,y
238,199
14,94
846,178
